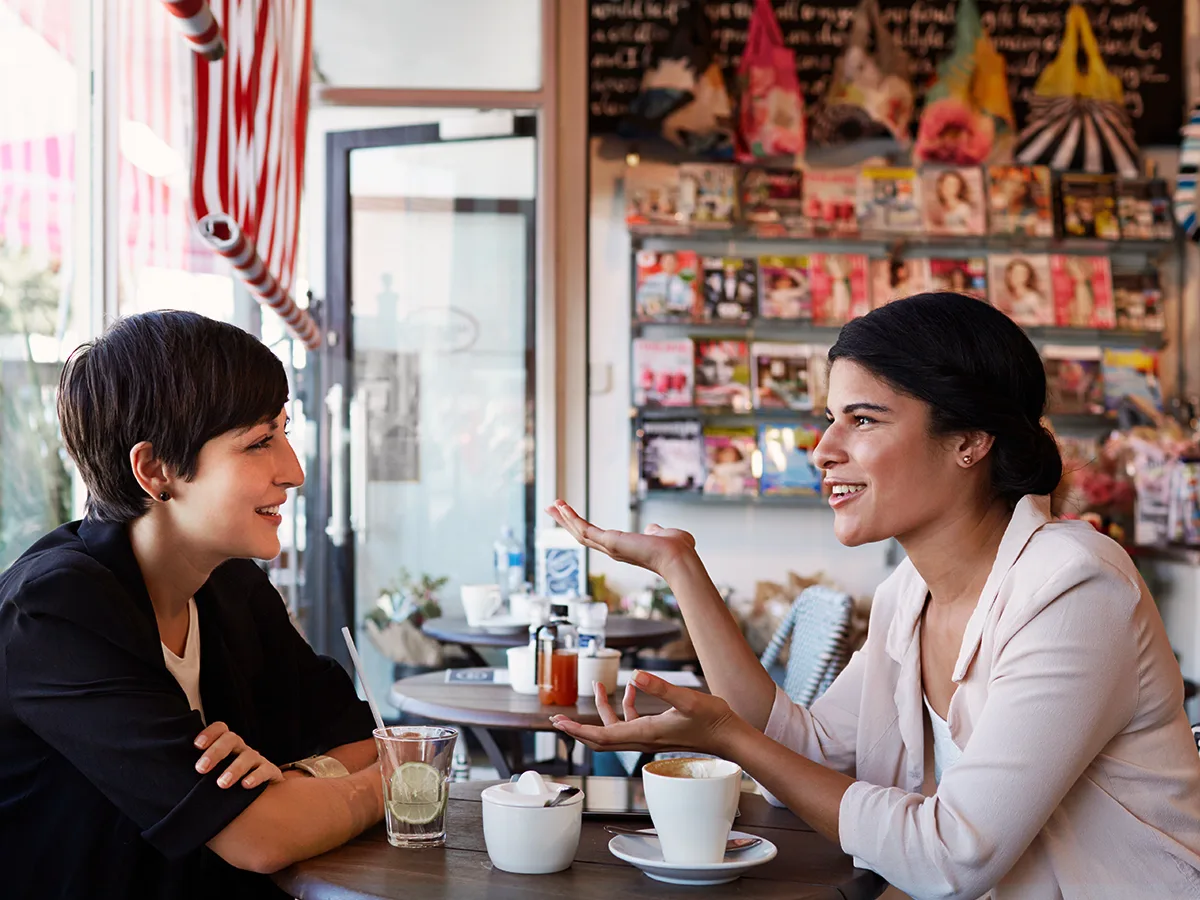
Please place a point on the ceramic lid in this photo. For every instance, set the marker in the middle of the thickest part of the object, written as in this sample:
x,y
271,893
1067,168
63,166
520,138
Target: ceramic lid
x,y
530,790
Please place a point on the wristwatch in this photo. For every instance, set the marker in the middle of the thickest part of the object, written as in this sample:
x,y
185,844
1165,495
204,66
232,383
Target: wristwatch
x,y
319,767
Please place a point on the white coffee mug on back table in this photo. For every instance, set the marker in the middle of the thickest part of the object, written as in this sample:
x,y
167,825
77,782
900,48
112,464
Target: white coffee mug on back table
x,y
480,602
603,667
692,815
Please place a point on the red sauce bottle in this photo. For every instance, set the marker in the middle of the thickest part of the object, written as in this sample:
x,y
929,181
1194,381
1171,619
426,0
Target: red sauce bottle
x,y
556,660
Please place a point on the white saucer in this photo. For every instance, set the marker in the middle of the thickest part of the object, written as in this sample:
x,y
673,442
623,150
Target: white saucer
x,y
647,856
504,624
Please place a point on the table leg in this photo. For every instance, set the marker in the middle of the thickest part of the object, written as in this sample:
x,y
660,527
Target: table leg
x,y
473,656
494,754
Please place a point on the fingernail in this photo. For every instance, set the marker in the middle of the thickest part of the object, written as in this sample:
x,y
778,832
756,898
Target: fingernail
x,y
202,764
247,782
224,780
595,687
201,743
639,678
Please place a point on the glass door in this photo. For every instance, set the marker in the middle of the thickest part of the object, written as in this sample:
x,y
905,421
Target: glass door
x,y
428,371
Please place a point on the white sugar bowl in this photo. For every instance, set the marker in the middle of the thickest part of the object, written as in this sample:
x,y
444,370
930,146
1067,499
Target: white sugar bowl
x,y
522,834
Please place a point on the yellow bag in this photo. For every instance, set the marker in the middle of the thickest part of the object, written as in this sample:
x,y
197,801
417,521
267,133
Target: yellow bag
x,y
1062,77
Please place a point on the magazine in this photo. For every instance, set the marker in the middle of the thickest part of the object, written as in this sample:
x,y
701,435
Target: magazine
x,y
1019,201
888,200
729,453
781,375
662,372
784,288
818,377
723,374
787,465
1019,285
1144,209
1083,291
1088,206
1131,376
962,276
730,289
838,284
773,202
831,201
672,456
954,201
1074,385
897,277
668,288
709,194
652,199
1138,301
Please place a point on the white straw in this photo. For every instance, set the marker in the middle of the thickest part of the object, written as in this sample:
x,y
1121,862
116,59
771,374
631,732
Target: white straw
x,y
361,677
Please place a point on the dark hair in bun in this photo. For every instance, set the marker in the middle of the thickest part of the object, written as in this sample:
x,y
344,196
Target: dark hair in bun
x,y
977,371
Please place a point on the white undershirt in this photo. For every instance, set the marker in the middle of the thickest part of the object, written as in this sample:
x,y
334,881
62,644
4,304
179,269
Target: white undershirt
x,y
945,751
186,669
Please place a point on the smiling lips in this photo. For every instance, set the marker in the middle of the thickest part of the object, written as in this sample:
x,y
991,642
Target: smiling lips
x,y
844,493
269,511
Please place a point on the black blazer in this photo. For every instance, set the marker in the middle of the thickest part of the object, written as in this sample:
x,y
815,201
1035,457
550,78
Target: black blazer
x,y
99,796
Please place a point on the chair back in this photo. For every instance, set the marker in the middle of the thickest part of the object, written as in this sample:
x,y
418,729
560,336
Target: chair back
x,y
817,624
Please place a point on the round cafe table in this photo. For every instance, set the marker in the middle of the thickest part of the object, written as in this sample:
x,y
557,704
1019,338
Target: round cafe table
x,y
623,633
486,708
807,867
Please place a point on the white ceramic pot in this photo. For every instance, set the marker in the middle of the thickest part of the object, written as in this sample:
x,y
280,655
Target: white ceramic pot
x,y
521,674
526,837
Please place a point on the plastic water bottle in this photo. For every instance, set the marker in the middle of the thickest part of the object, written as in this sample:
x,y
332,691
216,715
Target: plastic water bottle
x,y
509,561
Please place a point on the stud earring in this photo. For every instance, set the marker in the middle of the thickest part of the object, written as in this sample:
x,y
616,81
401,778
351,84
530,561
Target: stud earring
x,y
966,460
164,496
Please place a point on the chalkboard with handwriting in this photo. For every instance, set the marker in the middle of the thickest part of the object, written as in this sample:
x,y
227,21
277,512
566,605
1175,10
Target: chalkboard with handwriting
x,y
1141,40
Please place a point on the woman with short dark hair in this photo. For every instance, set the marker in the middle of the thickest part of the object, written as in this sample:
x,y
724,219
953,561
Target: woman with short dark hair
x,y
149,672
1014,725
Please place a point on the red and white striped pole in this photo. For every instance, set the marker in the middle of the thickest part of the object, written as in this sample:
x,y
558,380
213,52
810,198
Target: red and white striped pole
x,y
199,27
226,237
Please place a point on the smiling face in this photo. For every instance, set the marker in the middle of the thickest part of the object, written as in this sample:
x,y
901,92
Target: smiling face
x,y
230,509
889,475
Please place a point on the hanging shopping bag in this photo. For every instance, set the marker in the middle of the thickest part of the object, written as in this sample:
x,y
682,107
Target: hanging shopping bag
x,y
870,94
771,106
683,97
967,114
1077,116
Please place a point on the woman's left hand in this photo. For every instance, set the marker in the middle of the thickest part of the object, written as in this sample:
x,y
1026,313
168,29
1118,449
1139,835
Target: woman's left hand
x,y
249,765
697,721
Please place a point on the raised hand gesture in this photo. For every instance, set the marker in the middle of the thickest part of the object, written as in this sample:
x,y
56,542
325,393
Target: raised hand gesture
x,y
657,549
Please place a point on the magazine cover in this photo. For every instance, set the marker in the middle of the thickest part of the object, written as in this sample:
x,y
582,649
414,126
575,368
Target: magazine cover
x,y
1088,206
784,288
1019,285
888,200
897,277
729,453
831,201
709,194
662,372
787,466
730,289
1083,291
672,456
1019,201
1144,209
652,199
1131,375
773,202
723,374
781,375
953,200
1138,300
818,376
838,284
668,286
1074,385
962,276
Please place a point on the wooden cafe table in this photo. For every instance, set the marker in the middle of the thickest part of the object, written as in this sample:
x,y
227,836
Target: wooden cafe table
x,y
807,867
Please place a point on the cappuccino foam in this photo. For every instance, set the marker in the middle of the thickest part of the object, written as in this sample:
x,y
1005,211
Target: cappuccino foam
x,y
690,767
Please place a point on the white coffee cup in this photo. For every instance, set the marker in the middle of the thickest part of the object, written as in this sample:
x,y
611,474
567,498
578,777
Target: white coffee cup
x,y
521,674
480,602
692,804
602,668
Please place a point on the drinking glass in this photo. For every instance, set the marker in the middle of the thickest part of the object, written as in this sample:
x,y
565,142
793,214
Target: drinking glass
x,y
415,763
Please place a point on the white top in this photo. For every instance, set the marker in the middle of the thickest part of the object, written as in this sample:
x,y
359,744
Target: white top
x,y
945,751
186,669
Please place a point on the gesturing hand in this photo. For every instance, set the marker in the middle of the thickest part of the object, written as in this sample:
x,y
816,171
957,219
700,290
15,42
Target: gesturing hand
x,y
696,721
251,767
658,549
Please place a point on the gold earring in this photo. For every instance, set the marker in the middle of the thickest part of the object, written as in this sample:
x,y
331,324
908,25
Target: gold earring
x,y
967,460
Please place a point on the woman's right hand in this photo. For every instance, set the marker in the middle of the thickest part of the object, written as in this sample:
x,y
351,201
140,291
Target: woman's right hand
x,y
218,742
658,549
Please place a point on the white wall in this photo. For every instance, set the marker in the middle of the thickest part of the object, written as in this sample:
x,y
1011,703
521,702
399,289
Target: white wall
x,y
741,545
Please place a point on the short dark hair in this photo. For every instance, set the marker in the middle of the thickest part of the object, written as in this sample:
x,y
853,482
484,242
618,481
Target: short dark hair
x,y
175,379
977,371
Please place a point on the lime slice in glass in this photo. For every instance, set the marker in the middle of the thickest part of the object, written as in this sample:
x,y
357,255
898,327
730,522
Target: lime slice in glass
x,y
415,813
418,793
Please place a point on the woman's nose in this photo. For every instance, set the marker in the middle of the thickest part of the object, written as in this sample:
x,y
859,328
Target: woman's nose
x,y
827,452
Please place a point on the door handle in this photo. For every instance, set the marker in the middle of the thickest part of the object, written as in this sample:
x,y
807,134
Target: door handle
x,y
358,464
338,526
